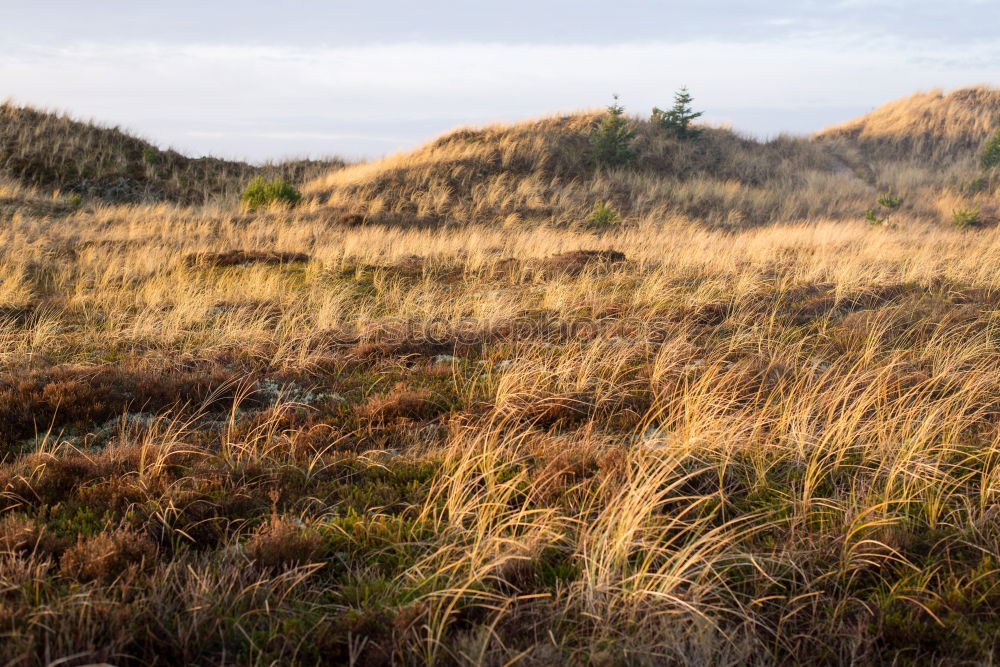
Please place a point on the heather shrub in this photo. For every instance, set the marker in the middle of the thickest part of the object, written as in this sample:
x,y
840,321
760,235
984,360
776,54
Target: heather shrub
x,y
401,403
106,556
284,541
574,262
19,534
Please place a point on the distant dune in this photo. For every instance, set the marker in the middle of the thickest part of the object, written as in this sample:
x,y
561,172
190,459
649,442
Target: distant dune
x,y
933,125
55,152
540,171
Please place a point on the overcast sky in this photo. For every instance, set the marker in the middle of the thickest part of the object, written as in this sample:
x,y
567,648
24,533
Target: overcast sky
x,y
262,80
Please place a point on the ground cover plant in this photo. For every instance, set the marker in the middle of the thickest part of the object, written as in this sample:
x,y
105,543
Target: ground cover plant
x,y
324,435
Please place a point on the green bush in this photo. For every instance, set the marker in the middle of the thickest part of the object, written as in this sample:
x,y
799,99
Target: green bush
x,y
150,155
887,203
603,215
872,217
889,200
260,193
678,118
991,152
611,139
965,218
975,186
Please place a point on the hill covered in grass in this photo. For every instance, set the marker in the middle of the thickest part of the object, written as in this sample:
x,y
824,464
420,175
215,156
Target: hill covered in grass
x,y
933,125
543,171
47,151
923,148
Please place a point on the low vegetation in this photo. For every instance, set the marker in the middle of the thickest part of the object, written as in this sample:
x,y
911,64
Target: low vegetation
x,y
991,152
278,192
55,152
352,432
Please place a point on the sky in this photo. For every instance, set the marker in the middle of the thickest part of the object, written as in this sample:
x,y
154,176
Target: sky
x,y
306,78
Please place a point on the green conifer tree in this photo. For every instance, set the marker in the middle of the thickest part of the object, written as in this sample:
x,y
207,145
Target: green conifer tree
x,y
678,118
611,138
991,152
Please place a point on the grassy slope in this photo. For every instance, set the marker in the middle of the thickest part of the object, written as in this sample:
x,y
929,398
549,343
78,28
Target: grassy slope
x,y
934,126
53,152
540,171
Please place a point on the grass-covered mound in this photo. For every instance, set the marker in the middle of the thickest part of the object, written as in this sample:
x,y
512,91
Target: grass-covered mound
x,y
55,152
925,148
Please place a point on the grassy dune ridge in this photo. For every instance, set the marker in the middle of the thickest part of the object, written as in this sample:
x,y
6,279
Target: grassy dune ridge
x,y
540,171
283,437
49,151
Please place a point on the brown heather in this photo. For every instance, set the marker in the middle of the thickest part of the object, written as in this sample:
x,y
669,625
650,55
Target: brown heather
x,y
417,436
283,542
107,556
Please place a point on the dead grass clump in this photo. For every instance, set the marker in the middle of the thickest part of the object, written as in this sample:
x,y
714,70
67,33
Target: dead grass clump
x,y
413,265
573,263
107,556
243,257
351,219
20,534
121,490
401,403
549,410
284,541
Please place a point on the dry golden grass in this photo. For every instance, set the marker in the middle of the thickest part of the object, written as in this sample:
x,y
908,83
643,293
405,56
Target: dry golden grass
x,y
761,446
540,172
292,438
932,125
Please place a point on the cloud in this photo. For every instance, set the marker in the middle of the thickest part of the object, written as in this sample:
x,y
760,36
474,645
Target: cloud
x,y
360,99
